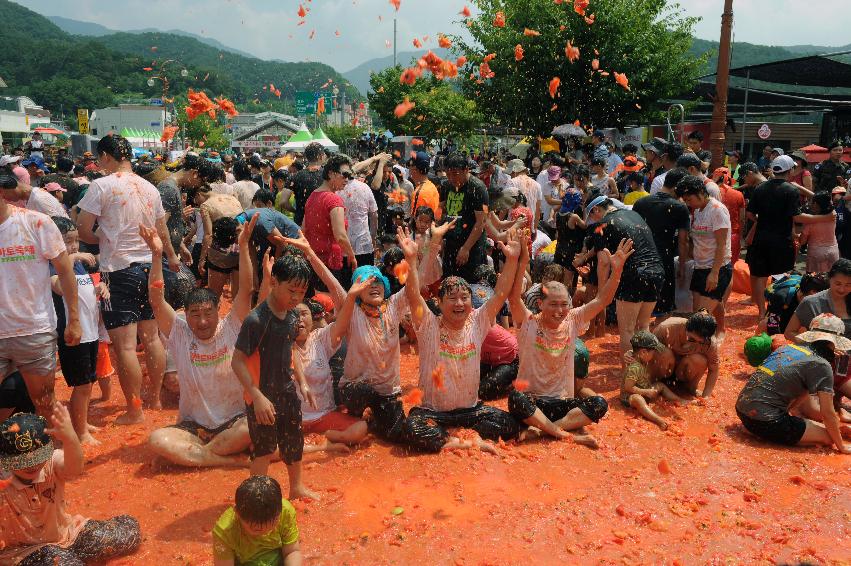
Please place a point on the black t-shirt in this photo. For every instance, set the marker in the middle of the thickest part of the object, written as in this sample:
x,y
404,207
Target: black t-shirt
x,y
472,197
304,183
621,224
272,338
774,203
665,215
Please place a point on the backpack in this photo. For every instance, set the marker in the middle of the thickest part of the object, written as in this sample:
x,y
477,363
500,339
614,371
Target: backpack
x,y
782,293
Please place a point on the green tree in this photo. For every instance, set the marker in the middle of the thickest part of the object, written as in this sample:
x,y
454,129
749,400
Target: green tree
x,y
648,40
441,111
202,129
343,135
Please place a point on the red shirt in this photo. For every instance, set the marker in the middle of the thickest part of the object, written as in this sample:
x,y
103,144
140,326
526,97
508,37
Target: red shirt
x,y
317,227
734,200
499,347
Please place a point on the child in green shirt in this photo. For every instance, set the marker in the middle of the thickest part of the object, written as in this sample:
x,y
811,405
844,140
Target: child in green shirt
x,y
638,385
260,530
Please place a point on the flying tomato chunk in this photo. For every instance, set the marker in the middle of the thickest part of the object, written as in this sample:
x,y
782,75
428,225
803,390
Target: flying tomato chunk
x,y
499,20
518,52
403,108
554,84
621,79
571,52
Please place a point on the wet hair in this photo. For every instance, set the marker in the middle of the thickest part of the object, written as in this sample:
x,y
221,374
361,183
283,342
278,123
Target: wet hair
x,y
673,150
557,160
145,168
691,185
93,175
552,272
822,349
386,239
297,165
200,296
824,201
455,160
224,232
453,283
485,273
747,167
210,172
8,180
314,152
292,268
281,174
696,135
582,171
598,161
636,177
259,500
316,308
813,283
424,211
241,170
702,323
65,225
79,169
116,147
334,164
521,199
64,165
687,160
630,148
391,258
263,196
841,266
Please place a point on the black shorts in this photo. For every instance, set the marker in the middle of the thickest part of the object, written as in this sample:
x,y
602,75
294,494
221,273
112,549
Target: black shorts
x,y
523,405
285,434
786,430
767,260
128,296
204,433
640,286
698,282
14,394
79,363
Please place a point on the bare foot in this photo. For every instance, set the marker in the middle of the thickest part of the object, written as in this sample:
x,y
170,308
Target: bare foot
x,y
845,431
155,404
486,446
586,440
129,418
530,433
92,428
662,425
89,440
720,335
303,493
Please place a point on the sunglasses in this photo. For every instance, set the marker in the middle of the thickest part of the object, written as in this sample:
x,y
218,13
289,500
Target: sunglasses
x,y
347,174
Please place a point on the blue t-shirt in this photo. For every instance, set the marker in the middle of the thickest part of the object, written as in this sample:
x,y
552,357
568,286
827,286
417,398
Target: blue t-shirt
x,y
267,222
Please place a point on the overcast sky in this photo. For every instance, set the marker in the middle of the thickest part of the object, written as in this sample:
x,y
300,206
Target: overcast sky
x,y
269,28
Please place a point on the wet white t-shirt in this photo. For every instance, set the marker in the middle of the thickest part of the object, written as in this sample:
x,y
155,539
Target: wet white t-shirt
x,y
314,359
546,356
359,202
453,356
704,224
244,191
372,352
121,202
28,241
210,393
44,202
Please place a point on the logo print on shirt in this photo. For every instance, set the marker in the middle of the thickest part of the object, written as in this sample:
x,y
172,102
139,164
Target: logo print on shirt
x,y
208,360
17,253
552,347
454,203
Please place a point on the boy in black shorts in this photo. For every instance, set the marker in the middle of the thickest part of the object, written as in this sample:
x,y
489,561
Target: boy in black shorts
x,y
262,361
79,363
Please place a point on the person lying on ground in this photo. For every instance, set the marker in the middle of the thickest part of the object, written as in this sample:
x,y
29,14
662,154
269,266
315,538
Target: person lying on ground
x,y
34,525
691,351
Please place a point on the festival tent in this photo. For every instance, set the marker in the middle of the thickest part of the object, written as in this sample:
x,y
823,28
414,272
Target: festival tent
x,y
299,140
51,131
322,139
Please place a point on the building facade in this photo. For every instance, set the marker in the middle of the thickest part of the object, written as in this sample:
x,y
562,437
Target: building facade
x,y
128,116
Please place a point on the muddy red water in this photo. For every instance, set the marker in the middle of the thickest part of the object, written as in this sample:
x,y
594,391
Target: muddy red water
x,y
704,492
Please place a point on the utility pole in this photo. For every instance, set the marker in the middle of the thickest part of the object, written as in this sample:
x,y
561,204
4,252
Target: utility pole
x,y
722,79
394,41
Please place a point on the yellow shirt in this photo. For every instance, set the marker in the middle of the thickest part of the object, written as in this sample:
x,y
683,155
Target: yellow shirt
x,y
630,198
229,541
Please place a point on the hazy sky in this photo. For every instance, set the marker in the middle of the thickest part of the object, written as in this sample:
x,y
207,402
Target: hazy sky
x,y
269,28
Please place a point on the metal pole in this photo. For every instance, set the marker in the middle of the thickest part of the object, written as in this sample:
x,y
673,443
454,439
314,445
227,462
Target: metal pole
x,y
719,111
394,41
745,109
343,109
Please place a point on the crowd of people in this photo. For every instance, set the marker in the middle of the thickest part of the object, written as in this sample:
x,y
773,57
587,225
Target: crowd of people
x,y
271,294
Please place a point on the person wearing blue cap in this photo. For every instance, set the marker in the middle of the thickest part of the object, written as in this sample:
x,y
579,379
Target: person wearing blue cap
x,y
643,274
570,228
450,346
547,342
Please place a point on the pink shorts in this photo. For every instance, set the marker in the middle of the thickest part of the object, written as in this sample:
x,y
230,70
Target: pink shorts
x,y
335,420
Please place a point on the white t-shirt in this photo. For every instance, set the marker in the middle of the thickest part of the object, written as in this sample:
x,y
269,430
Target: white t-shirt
x,y
658,183
44,202
199,227
359,202
541,242
221,188
530,188
713,189
317,371
548,190
456,356
87,305
28,240
372,354
546,361
210,393
244,192
121,202
704,223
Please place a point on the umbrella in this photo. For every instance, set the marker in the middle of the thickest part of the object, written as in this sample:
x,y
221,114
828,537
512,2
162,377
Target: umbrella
x,y
52,131
568,130
813,147
521,149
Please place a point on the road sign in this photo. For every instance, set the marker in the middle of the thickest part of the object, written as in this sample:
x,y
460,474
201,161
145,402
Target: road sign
x,y
305,101
83,120
156,102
